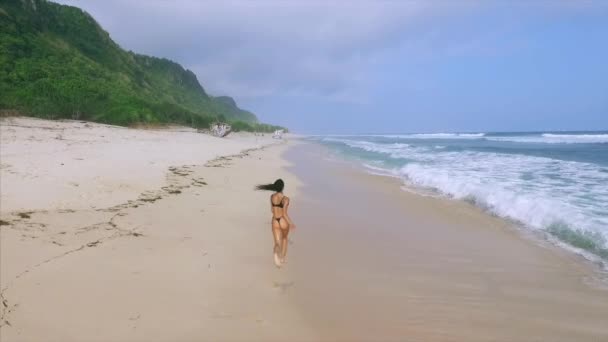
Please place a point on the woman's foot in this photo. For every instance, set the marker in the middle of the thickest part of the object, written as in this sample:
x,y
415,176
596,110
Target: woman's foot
x,y
277,261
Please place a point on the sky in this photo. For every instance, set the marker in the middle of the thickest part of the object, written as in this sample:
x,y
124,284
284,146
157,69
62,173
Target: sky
x,y
342,67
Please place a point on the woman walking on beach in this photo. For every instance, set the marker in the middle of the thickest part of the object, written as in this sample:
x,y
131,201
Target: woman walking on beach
x,y
281,222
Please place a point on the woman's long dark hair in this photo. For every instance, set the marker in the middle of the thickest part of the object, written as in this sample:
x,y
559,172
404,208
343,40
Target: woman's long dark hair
x,y
277,186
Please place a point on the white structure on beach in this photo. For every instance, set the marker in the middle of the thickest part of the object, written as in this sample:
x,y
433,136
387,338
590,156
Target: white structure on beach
x,y
278,134
220,129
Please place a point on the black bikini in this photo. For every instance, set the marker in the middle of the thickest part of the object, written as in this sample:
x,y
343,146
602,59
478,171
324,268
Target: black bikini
x,y
280,205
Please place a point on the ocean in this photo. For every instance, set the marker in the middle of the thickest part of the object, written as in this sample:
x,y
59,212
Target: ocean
x,y
555,183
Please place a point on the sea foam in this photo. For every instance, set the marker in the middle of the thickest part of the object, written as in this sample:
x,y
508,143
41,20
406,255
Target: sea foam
x,y
550,138
565,198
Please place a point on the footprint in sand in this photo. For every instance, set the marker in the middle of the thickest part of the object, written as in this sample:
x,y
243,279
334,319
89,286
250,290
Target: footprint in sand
x,y
25,214
221,315
283,286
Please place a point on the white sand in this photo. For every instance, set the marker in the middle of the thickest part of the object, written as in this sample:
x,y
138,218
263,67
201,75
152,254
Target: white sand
x,y
49,165
167,254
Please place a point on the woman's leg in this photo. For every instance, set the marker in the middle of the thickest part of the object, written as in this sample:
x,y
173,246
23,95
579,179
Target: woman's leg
x,y
284,244
276,234
284,233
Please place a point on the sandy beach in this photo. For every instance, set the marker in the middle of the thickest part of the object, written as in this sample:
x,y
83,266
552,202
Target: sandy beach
x,y
160,240
80,165
303,171
164,239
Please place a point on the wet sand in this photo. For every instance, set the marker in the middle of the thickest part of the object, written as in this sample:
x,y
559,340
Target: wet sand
x,y
375,262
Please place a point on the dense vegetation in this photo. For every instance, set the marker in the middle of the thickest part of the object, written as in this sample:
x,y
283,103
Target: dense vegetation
x,y
239,125
57,62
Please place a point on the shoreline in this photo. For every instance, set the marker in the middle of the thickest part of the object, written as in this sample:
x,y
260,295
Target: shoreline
x,y
424,268
541,237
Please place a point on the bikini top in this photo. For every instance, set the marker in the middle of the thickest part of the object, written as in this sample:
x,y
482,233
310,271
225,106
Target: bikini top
x,y
280,205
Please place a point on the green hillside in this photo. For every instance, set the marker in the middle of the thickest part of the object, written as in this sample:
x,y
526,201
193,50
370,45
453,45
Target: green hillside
x,y
57,62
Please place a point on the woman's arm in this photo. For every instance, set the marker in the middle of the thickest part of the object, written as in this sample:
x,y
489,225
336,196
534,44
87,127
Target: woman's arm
x,y
286,213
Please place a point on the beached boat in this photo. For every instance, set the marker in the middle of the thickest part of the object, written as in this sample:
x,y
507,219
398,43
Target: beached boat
x,y
220,129
278,134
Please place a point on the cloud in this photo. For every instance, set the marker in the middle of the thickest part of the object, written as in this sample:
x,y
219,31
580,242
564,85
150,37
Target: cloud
x,y
264,48
324,49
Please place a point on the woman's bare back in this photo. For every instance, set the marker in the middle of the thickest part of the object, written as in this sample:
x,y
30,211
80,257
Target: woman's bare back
x,y
278,203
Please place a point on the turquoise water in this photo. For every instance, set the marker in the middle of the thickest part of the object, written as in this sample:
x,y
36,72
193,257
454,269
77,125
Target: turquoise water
x,y
555,182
